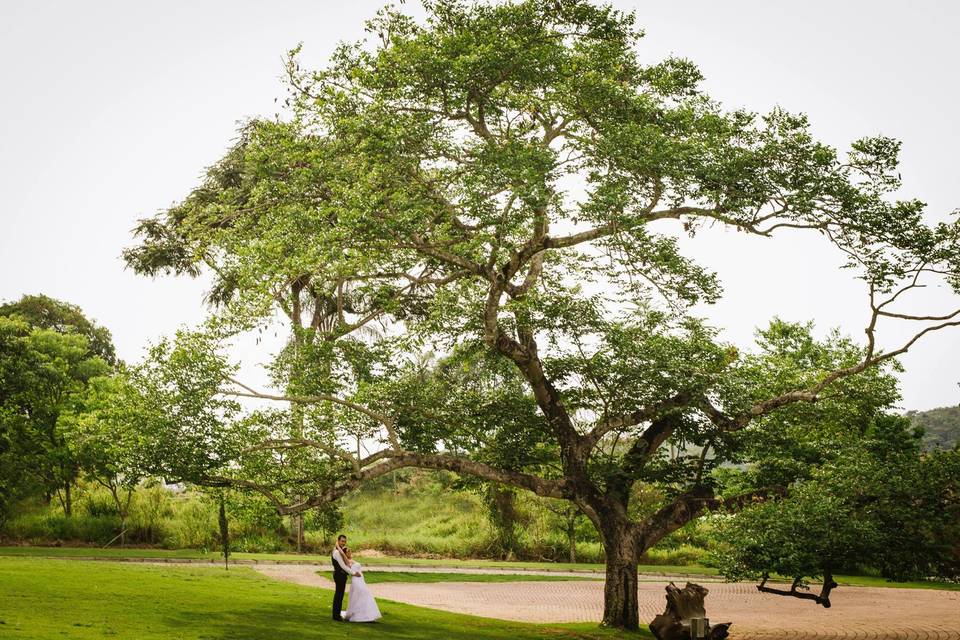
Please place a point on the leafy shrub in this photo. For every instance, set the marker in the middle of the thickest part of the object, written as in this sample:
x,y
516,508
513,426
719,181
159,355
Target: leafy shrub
x,y
252,513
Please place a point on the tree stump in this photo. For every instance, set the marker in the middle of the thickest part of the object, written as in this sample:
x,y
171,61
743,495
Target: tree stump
x,y
682,606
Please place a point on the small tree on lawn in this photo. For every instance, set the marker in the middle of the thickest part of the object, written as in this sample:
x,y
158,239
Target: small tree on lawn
x,y
103,430
502,185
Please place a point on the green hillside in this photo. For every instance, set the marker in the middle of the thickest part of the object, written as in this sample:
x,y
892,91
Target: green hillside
x,y
941,426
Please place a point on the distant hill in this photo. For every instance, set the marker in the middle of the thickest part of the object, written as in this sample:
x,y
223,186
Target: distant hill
x,y
941,426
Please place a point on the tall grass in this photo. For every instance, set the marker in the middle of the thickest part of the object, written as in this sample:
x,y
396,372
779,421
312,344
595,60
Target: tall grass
x,y
158,517
45,528
411,513
423,514
419,517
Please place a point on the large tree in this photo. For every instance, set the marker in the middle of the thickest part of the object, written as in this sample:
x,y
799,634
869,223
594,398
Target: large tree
x,y
472,223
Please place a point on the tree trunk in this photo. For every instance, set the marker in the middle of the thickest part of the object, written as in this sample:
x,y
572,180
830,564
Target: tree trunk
x,y
68,500
572,536
224,532
620,605
120,512
684,608
502,511
299,533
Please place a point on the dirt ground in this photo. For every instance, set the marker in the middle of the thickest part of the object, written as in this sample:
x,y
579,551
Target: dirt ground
x,y
857,612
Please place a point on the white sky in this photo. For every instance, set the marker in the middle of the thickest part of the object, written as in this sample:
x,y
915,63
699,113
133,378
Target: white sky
x,y
109,111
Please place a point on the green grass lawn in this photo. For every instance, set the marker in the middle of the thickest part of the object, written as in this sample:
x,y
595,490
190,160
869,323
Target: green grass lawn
x,y
653,570
42,599
194,554
421,576
872,581
96,552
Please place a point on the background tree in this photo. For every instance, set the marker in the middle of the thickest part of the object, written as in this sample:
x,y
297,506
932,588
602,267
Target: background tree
x,y
43,374
569,516
879,502
48,313
328,520
503,185
102,430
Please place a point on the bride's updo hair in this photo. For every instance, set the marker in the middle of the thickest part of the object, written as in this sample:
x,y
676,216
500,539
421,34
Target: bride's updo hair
x,y
347,553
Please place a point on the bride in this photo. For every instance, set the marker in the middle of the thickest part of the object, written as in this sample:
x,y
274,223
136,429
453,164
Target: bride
x,y
362,607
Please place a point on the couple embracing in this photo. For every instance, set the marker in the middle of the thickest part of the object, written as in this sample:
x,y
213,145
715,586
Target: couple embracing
x,y
362,607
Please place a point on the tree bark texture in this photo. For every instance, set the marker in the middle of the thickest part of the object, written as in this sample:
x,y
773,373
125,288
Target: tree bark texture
x,y
620,602
682,606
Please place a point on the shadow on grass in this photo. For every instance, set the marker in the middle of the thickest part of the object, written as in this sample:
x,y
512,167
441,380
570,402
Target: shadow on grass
x,y
255,623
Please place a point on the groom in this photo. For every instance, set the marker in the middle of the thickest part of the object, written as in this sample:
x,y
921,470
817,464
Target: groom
x,y
340,574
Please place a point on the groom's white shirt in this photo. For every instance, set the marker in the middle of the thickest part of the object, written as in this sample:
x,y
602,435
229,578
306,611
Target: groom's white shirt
x,y
338,556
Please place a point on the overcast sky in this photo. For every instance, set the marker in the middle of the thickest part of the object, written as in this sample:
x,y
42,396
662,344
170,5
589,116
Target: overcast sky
x,y
111,110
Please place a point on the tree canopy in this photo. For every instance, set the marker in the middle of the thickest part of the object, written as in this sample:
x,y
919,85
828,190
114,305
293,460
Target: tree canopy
x,y
48,313
873,501
43,374
471,226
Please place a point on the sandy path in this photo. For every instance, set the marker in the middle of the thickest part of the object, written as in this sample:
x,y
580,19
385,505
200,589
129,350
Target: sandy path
x,y
858,612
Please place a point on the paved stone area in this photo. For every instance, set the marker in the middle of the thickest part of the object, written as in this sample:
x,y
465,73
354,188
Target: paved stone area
x,y
857,612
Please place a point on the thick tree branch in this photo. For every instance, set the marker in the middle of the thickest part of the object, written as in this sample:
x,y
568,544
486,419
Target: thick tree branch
x,y
524,356
625,421
691,505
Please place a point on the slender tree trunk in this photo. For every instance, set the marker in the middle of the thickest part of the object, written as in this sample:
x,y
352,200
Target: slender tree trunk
x,y
120,511
620,603
68,500
572,536
224,532
299,533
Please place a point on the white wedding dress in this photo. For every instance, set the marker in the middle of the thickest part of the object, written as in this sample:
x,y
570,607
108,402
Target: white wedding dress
x,y
362,607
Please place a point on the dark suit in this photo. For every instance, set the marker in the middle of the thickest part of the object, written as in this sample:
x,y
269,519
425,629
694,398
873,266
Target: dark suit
x,y
340,580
